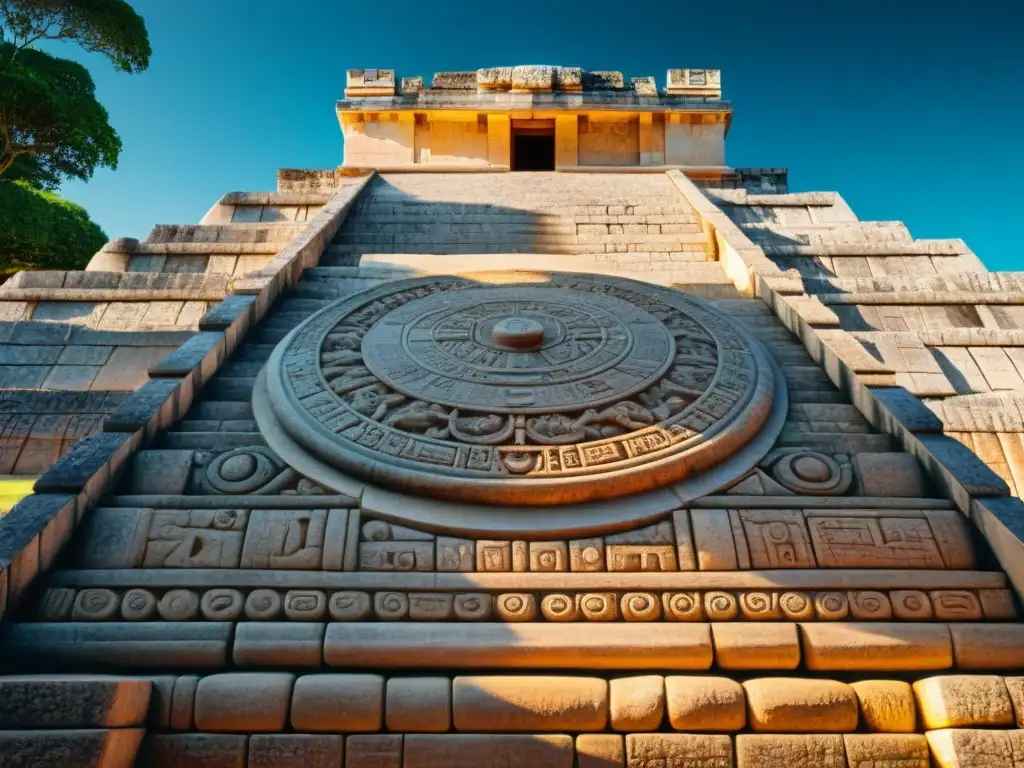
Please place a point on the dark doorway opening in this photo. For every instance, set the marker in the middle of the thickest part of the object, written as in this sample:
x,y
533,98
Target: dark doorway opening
x,y
533,151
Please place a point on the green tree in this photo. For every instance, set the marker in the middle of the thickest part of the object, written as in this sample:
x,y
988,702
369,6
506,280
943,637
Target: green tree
x,y
48,108
48,232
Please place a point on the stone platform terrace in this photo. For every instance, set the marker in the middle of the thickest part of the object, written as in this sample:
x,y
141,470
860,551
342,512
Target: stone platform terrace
x,y
634,467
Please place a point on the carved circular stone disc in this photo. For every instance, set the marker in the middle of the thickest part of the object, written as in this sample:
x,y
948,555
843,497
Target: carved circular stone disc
x,y
519,388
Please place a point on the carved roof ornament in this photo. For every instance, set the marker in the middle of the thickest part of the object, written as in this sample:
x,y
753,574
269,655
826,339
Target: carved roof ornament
x,y
518,389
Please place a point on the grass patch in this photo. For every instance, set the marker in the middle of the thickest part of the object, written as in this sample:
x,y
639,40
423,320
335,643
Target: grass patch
x,y
13,490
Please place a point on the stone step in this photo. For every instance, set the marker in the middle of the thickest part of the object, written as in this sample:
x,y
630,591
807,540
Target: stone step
x,y
215,410
230,388
518,219
208,441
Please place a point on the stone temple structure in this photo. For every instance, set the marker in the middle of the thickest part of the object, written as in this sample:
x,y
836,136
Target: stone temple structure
x,y
534,435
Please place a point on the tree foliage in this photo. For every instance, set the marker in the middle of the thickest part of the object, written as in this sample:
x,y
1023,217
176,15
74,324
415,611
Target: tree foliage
x,y
109,27
49,112
48,232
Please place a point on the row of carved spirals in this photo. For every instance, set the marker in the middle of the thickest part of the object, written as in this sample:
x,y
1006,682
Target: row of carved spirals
x,y
223,604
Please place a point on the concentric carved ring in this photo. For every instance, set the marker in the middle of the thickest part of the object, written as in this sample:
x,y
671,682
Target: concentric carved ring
x,y
519,389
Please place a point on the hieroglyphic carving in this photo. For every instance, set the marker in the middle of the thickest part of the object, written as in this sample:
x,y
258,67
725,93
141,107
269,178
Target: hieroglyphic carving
x,y
221,605
867,542
560,608
760,606
95,605
493,556
284,539
305,605
253,469
391,606
796,606
455,555
869,605
910,604
517,607
178,605
955,605
263,605
138,605
350,606
812,473
473,606
772,538
431,606
586,554
571,376
396,556
831,606
196,538
683,606
549,556
599,606
640,606
641,557
720,606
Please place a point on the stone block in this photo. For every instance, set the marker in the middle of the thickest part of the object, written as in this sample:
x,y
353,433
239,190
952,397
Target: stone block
x,y
887,750
800,705
451,750
637,703
963,701
118,645
889,475
988,646
456,555
278,644
539,703
705,703
92,748
284,539
678,749
114,538
243,702
713,540
161,692
975,748
338,703
887,706
152,405
203,352
294,750
1015,687
104,453
196,750
600,750
997,604
791,751
161,471
876,646
418,704
183,703
374,751
743,645
72,701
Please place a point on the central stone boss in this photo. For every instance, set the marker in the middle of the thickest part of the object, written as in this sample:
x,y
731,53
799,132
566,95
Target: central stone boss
x,y
520,388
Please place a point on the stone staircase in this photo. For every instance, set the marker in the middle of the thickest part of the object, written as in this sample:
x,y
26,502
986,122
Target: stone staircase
x,y
610,220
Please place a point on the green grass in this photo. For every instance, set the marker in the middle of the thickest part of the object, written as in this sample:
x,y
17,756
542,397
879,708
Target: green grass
x,y
13,490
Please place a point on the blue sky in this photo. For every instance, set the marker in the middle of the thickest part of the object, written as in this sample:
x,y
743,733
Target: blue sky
x,y
912,110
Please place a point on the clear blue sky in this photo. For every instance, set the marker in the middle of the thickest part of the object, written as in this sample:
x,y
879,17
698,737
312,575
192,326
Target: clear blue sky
x,y
912,110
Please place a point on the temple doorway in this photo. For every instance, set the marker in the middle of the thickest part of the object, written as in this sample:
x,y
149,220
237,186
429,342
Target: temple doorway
x,y
533,145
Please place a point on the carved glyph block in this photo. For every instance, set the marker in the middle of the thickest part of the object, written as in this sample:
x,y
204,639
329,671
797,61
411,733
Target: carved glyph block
x,y
396,556
349,606
599,606
196,538
586,554
494,556
517,606
455,555
285,539
560,608
640,557
549,556
868,542
683,606
473,606
771,538
695,82
955,605
910,604
430,606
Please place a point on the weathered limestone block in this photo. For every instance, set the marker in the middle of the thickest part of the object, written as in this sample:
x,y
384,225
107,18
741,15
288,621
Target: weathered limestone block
x,y
760,606
775,751
975,748
183,703
886,542
678,749
431,606
161,472
350,606
91,748
963,701
396,556
295,750
997,604
305,605
742,645
889,475
705,703
831,606
882,750
494,556
600,750
640,606
113,538
243,702
201,750
118,645
197,538
637,703
774,538
178,605
263,605
95,605
887,705
586,554
560,608
284,539
800,705
640,557
473,606
451,750
876,646
278,644
599,606
540,703
161,693
720,606
955,605
517,607
418,704
682,606
712,538
1015,687
221,605
338,703
911,604
72,701
988,646
391,606
457,555
549,556
140,605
